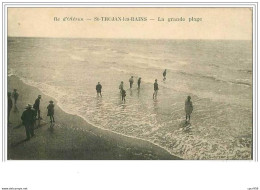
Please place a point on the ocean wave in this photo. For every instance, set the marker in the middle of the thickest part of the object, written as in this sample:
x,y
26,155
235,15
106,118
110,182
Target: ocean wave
x,y
140,56
117,51
214,78
76,58
119,70
121,52
245,71
56,49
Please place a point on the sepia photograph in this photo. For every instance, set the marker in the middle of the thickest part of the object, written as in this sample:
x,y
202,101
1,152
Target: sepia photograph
x,y
139,83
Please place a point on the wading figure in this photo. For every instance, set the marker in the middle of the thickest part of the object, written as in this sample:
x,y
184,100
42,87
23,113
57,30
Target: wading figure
x,y
123,95
36,106
164,75
28,118
131,81
50,108
156,88
121,87
10,105
188,108
15,96
98,89
139,82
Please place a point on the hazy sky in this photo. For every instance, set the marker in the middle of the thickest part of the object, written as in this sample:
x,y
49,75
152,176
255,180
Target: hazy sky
x,y
217,23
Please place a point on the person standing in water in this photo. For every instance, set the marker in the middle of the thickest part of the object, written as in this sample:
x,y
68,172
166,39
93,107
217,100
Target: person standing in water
x,y
98,88
15,96
36,106
139,82
131,81
164,75
50,108
188,108
156,88
123,95
121,87
10,105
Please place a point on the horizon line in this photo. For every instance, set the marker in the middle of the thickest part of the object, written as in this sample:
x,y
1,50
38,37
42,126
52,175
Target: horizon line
x,y
129,38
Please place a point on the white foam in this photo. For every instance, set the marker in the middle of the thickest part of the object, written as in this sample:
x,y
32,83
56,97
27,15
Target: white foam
x,y
76,58
76,110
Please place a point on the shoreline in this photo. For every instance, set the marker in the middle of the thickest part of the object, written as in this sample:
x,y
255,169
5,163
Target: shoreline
x,y
106,145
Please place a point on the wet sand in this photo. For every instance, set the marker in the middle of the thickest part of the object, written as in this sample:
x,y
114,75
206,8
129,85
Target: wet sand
x,y
71,138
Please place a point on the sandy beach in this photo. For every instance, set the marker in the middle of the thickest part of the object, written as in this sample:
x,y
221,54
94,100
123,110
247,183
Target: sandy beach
x,y
72,138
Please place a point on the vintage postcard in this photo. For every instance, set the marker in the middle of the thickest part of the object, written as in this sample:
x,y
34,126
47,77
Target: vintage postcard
x,y
130,83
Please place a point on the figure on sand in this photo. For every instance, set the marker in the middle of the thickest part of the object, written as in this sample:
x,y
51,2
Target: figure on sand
x,y
156,88
188,108
50,108
98,89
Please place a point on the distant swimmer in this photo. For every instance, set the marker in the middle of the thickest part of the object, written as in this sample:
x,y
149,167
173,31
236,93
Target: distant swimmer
x,y
98,88
156,88
36,106
164,75
10,105
50,108
123,95
131,81
121,87
139,82
15,96
188,108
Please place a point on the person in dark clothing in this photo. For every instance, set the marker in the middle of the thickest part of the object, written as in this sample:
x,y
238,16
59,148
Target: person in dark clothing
x,y
123,95
121,86
36,106
15,96
10,105
98,88
188,108
50,108
164,75
28,118
156,88
139,82
131,81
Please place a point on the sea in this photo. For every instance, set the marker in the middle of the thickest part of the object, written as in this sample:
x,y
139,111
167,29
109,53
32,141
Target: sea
x,y
217,74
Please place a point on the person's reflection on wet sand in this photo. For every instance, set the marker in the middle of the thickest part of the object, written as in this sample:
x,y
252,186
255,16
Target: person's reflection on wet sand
x,y
15,109
155,105
131,92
